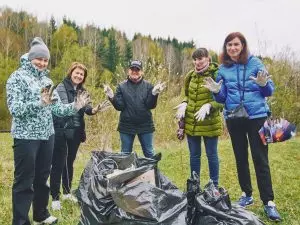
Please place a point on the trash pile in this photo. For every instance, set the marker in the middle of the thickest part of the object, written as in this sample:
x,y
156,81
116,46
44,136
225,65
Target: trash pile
x,y
212,206
127,190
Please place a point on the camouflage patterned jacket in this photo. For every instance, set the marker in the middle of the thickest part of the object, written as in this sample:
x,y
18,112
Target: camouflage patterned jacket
x,y
31,120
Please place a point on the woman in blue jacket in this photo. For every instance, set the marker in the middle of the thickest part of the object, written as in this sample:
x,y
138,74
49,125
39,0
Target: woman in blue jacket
x,y
242,77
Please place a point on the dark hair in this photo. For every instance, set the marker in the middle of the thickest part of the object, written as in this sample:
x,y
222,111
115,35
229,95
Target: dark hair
x,y
199,53
74,66
225,58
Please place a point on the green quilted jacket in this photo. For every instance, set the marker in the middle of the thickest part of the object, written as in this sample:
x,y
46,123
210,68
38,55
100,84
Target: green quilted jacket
x,y
196,96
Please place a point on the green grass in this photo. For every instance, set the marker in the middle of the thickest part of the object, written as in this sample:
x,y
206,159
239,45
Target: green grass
x,y
284,161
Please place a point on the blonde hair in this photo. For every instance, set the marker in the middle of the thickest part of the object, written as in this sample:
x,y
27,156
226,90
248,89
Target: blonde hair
x,y
76,65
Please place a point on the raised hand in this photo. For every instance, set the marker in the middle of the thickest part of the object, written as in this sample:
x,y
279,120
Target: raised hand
x,y
46,95
211,85
82,99
202,112
103,106
108,91
180,110
158,88
262,78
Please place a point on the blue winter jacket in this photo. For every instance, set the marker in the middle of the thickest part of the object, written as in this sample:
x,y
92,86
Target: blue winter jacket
x,y
254,95
31,120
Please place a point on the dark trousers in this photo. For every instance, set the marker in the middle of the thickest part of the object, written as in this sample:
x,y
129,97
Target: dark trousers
x,y
32,159
64,154
241,132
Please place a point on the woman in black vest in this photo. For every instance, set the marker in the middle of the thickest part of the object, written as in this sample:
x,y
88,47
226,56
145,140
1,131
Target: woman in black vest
x,y
69,133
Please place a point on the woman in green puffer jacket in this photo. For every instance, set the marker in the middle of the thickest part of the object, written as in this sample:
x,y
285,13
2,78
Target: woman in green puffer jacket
x,y
201,114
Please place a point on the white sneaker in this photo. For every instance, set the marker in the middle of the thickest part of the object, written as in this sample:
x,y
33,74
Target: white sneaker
x,y
70,197
56,205
49,220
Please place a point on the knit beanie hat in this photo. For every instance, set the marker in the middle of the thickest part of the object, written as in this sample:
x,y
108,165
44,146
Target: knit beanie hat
x,y
38,49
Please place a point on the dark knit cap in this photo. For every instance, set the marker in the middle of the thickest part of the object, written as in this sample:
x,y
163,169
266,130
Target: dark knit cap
x,y
38,49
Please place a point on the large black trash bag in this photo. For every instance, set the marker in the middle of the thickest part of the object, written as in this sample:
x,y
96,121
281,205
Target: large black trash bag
x,y
118,199
193,188
214,207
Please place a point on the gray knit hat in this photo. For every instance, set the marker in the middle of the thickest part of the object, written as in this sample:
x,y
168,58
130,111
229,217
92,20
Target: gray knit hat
x,y
38,49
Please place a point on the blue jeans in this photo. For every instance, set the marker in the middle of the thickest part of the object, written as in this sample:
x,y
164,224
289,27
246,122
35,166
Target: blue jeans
x,y
145,139
210,143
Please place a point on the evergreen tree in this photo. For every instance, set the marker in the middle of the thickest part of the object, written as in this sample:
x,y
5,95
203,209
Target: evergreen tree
x,y
127,54
113,55
52,25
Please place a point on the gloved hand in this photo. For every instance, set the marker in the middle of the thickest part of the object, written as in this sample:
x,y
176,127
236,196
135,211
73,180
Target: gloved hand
x,y
82,99
262,78
47,95
103,106
158,88
108,91
203,111
180,130
211,85
180,110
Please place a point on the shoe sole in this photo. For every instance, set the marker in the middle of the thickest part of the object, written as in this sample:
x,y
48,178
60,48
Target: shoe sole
x,y
245,205
273,220
41,223
276,220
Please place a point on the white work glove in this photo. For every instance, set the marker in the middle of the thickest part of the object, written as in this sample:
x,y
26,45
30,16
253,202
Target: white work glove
x,y
158,88
103,106
108,91
47,95
202,112
262,78
82,99
211,85
180,110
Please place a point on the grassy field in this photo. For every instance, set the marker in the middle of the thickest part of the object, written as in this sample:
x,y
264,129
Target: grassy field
x,y
284,160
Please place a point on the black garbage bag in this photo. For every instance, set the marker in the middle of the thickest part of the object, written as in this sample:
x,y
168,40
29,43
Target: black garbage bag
x,y
193,188
110,192
214,207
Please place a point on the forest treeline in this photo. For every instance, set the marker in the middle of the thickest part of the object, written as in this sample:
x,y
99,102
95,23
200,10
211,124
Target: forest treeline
x,y
107,51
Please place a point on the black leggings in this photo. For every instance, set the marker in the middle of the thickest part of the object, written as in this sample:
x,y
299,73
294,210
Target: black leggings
x,y
64,154
241,133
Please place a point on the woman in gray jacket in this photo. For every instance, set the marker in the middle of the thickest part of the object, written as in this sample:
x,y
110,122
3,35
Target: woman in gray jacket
x,y
69,133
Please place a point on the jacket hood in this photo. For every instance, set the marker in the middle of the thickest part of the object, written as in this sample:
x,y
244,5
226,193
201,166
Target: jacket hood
x,y
26,64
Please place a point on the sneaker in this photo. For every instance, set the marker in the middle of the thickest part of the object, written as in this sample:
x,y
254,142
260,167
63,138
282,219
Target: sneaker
x,y
49,220
56,205
245,200
70,197
272,212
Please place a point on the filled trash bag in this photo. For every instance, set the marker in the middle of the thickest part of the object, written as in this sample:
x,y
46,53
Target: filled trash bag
x,y
276,130
127,190
212,206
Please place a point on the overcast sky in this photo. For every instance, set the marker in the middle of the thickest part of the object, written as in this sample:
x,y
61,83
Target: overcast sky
x,y
269,25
